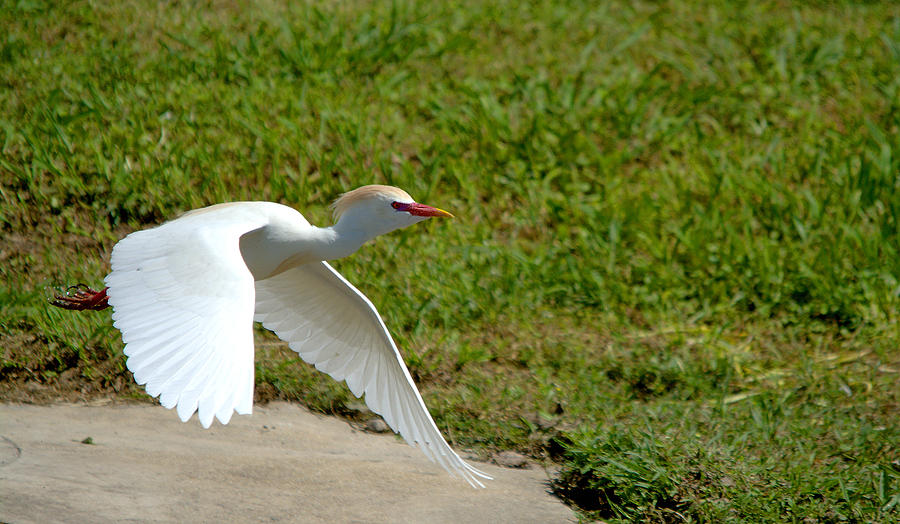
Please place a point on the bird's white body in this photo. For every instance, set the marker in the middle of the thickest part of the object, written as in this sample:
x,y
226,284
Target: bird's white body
x,y
185,295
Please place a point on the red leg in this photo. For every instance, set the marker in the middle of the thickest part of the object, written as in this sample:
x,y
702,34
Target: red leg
x,y
81,297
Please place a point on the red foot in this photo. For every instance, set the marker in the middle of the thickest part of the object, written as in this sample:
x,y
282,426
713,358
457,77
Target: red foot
x,y
81,297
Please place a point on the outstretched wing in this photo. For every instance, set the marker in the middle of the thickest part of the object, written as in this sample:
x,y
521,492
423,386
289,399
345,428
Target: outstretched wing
x,y
333,325
183,298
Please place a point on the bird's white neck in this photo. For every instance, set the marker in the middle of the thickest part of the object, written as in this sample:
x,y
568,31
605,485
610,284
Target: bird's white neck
x,y
278,247
337,241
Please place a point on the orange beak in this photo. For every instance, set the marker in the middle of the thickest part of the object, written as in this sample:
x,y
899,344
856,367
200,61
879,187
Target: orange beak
x,y
426,211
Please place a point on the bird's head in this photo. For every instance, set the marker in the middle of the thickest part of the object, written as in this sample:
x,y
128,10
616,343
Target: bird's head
x,y
381,209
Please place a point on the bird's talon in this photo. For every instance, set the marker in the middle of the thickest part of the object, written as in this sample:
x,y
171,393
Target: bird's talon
x,y
81,297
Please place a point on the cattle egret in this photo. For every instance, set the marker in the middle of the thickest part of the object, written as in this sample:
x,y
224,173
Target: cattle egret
x,y
185,295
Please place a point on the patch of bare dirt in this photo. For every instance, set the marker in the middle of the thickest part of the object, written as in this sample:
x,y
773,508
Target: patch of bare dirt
x,y
30,373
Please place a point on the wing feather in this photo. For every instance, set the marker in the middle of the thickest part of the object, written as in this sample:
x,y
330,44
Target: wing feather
x,y
356,377
335,327
183,299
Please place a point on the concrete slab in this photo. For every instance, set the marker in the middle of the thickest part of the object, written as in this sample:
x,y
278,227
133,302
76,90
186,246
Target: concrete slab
x,y
282,464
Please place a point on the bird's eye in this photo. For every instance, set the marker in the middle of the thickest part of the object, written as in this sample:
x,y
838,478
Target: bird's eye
x,y
396,205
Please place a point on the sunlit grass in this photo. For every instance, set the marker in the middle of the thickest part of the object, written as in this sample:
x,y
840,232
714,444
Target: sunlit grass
x,y
675,264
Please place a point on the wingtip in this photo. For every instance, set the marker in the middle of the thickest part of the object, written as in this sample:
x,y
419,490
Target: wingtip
x,y
186,411
206,420
471,474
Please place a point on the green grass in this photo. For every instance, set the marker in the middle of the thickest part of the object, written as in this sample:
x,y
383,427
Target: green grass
x,y
675,267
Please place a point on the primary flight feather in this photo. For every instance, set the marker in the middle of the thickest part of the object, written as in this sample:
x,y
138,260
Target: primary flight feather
x,y
185,295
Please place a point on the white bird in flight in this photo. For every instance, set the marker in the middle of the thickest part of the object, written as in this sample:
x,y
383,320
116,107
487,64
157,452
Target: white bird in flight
x,y
185,295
